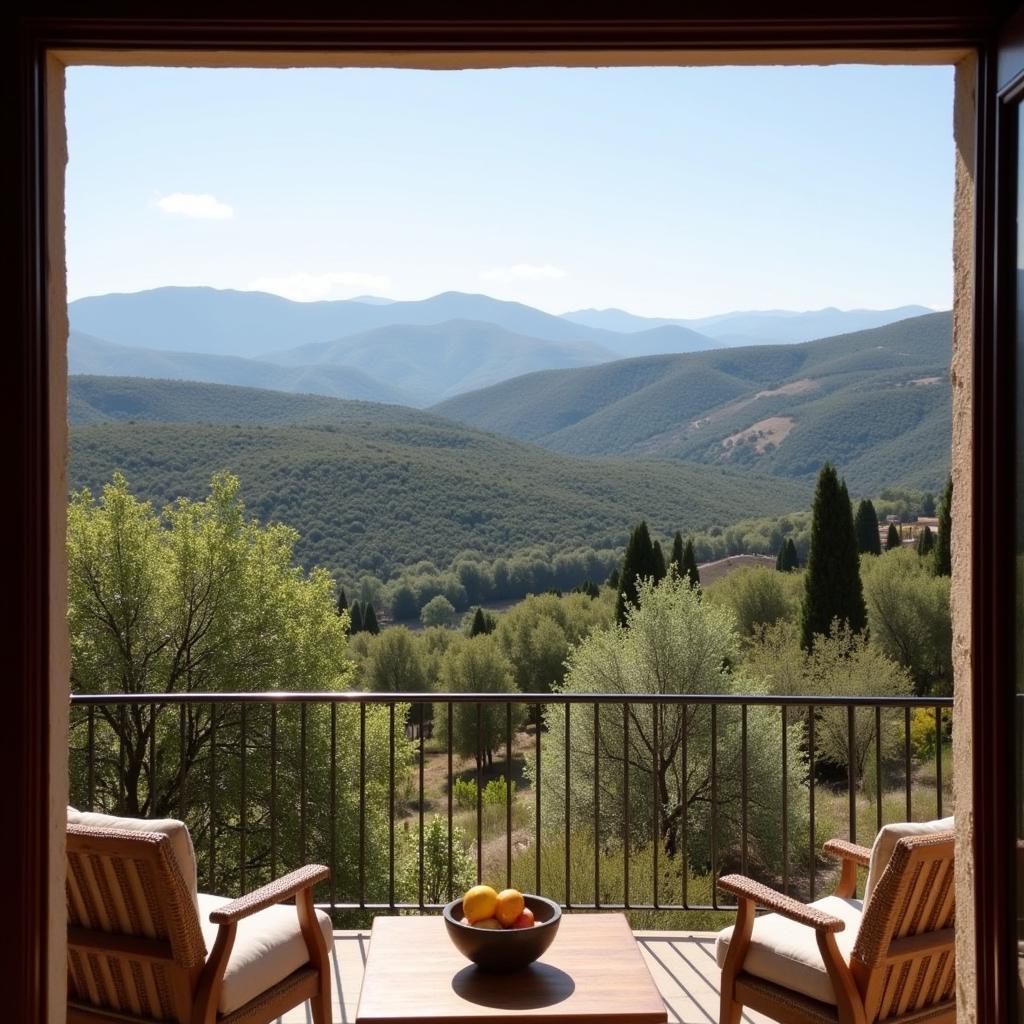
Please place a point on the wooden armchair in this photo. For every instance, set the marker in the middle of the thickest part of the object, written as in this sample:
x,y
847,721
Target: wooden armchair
x,y
137,943
841,960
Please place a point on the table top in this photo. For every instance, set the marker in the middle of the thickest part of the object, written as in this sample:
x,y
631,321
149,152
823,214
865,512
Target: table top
x,y
592,972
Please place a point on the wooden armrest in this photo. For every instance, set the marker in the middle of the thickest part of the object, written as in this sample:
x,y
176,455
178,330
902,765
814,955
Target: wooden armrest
x,y
747,889
840,849
267,895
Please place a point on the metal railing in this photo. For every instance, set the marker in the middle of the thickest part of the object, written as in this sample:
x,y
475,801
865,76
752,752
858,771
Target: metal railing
x,y
623,795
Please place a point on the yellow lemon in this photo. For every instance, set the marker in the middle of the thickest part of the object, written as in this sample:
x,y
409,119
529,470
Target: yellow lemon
x,y
510,906
479,903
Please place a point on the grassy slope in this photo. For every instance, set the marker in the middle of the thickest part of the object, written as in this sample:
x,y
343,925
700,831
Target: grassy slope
x,y
862,411
378,487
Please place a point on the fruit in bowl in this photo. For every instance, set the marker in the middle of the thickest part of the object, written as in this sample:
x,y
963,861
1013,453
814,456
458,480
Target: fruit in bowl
x,y
504,931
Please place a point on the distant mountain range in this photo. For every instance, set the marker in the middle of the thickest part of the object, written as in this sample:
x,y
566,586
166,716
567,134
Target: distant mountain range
x,y
370,348
876,402
754,327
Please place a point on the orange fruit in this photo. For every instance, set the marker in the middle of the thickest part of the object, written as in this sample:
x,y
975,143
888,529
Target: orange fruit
x,y
510,906
524,920
488,922
479,903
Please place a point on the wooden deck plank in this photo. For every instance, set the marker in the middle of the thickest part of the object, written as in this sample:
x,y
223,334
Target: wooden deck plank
x,y
682,964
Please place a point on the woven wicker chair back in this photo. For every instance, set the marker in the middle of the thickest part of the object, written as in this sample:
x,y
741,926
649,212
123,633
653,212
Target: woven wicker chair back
x,y
903,959
134,942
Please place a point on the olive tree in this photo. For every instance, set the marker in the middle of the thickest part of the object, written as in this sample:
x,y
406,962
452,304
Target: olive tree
x,y
675,645
195,599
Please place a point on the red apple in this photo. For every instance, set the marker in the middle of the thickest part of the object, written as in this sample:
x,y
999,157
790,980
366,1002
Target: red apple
x,y
524,920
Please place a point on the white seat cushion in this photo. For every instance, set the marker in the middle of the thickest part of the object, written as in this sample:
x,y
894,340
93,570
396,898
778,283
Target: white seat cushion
x,y
268,947
885,844
176,832
786,953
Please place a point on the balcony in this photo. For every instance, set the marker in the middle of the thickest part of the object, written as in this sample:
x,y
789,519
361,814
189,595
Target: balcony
x,y
408,800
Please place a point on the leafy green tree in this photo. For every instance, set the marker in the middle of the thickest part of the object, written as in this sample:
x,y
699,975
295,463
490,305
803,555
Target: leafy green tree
x,y
689,564
394,663
909,618
675,644
588,587
475,665
925,542
677,553
866,527
197,598
943,561
342,601
436,869
757,597
613,578
403,603
370,619
928,505
537,635
832,582
842,663
438,611
639,563
355,618
892,538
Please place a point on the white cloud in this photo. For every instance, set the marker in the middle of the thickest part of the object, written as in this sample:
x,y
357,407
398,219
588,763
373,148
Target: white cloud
x,y
331,285
522,272
198,207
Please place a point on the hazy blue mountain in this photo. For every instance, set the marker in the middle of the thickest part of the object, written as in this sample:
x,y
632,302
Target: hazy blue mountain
x,y
877,402
252,324
755,326
434,362
90,355
372,300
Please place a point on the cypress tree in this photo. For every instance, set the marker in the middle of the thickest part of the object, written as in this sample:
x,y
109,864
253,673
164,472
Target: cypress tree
x,y
943,559
638,563
792,559
677,553
370,619
925,542
613,579
892,538
832,586
786,560
689,564
866,526
479,623
356,623
659,562
342,601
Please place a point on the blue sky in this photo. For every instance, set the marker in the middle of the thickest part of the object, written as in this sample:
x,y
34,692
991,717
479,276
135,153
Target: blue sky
x,y
665,191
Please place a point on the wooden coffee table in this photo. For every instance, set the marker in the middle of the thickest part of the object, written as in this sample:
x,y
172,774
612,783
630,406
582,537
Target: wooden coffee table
x,y
592,972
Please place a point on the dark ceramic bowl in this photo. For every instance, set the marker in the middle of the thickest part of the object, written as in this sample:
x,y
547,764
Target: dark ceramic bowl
x,y
510,949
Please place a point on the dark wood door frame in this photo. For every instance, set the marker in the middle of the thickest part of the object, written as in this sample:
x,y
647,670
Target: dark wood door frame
x,y
26,454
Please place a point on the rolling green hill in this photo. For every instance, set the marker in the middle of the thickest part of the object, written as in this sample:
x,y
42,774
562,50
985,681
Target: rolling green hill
x,y
876,402
375,488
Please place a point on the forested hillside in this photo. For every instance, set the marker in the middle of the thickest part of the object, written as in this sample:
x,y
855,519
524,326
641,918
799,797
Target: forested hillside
x,y
378,488
876,402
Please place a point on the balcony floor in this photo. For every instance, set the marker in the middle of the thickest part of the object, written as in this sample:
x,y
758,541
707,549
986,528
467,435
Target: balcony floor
x,y
682,963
